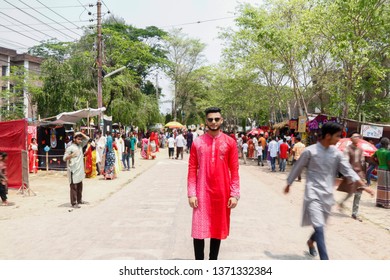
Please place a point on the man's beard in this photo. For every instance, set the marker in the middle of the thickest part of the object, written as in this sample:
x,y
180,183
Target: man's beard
x,y
214,129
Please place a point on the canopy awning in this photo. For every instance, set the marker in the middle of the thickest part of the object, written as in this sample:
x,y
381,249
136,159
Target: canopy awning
x,y
80,114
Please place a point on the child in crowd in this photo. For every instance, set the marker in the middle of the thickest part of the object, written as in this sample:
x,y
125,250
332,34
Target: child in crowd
x,y
3,178
260,155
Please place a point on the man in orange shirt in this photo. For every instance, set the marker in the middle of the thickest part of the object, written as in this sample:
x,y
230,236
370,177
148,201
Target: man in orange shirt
x,y
297,151
263,143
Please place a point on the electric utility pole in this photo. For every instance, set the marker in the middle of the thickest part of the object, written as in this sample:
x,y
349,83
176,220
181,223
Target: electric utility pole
x,y
99,58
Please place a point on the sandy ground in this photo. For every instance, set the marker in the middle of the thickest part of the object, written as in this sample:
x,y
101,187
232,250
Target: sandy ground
x,y
265,225
51,191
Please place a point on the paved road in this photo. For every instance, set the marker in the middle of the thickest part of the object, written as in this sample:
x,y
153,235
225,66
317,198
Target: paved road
x,y
149,219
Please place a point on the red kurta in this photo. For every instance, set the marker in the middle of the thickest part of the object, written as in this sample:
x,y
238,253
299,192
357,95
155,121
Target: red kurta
x,y
213,178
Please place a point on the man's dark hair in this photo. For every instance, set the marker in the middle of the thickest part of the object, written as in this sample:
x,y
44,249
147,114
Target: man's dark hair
x,y
212,110
354,132
385,142
298,138
330,128
78,135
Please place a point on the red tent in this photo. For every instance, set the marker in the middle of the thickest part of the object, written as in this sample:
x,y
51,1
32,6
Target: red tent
x,y
13,140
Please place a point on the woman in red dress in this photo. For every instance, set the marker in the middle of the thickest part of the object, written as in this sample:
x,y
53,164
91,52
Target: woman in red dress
x,y
32,156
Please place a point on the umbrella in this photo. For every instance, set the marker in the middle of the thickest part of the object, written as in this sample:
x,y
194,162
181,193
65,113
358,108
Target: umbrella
x,y
255,131
368,148
174,124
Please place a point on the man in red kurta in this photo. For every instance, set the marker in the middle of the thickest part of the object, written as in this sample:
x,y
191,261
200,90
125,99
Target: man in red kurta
x,y
213,184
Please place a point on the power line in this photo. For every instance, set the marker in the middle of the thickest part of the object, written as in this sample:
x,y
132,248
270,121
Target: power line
x,y
197,22
5,31
14,42
59,16
49,19
31,16
20,33
49,23
26,25
57,7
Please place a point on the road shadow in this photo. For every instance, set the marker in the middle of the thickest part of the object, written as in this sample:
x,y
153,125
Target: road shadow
x,y
305,256
65,205
9,204
340,215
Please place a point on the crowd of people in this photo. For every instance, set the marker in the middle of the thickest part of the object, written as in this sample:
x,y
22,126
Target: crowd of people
x,y
213,178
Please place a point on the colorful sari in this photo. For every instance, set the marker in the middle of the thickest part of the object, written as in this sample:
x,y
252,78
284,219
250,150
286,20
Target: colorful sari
x,y
90,162
109,165
145,148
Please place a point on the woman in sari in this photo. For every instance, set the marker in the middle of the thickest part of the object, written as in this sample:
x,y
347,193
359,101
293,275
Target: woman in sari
x,y
90,160
32,156
153,145
145,148
109,165
251,148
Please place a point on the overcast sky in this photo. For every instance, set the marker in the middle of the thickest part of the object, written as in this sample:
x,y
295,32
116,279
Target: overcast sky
x,y
24,23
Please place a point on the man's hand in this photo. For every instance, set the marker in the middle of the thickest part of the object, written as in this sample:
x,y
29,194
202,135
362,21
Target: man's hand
x,y
232,203
193,201
287,189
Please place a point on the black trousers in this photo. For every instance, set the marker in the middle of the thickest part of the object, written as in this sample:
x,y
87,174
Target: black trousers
x,y
179,151
3,192
76,191
171,152
199,248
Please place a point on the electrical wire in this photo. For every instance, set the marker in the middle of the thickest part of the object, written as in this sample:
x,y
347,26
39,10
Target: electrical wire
x,y
59,16
196,22
26,25
14,42
20,33
48,23
31,16
57,7
49,19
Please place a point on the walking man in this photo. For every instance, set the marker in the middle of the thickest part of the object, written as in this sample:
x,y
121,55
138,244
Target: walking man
x,y
297,151
283,155
213,185
273,152
354,155
323,162
74,157
133,145
180,143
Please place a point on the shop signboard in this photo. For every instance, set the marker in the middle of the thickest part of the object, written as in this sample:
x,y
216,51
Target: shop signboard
x,y
372,131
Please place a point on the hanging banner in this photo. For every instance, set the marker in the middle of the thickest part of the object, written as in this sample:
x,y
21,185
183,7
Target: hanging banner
x,y
301,124
372,131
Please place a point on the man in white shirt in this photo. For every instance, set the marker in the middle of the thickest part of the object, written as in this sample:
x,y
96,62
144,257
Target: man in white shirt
x,y
244,150
273,152
171,146
74,157
180,143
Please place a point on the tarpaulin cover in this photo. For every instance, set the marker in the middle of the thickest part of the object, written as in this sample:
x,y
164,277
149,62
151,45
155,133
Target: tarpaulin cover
x,y
80,114
13,139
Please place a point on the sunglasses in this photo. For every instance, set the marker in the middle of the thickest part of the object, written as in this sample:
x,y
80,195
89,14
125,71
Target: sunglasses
x,y
213,119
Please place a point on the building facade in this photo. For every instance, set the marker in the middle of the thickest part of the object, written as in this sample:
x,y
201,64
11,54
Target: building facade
x,y
14,92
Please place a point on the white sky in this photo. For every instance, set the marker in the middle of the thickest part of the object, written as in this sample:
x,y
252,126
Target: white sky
x,y
165,14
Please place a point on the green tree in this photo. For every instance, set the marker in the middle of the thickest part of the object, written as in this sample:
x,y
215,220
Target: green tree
x,y
185,56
